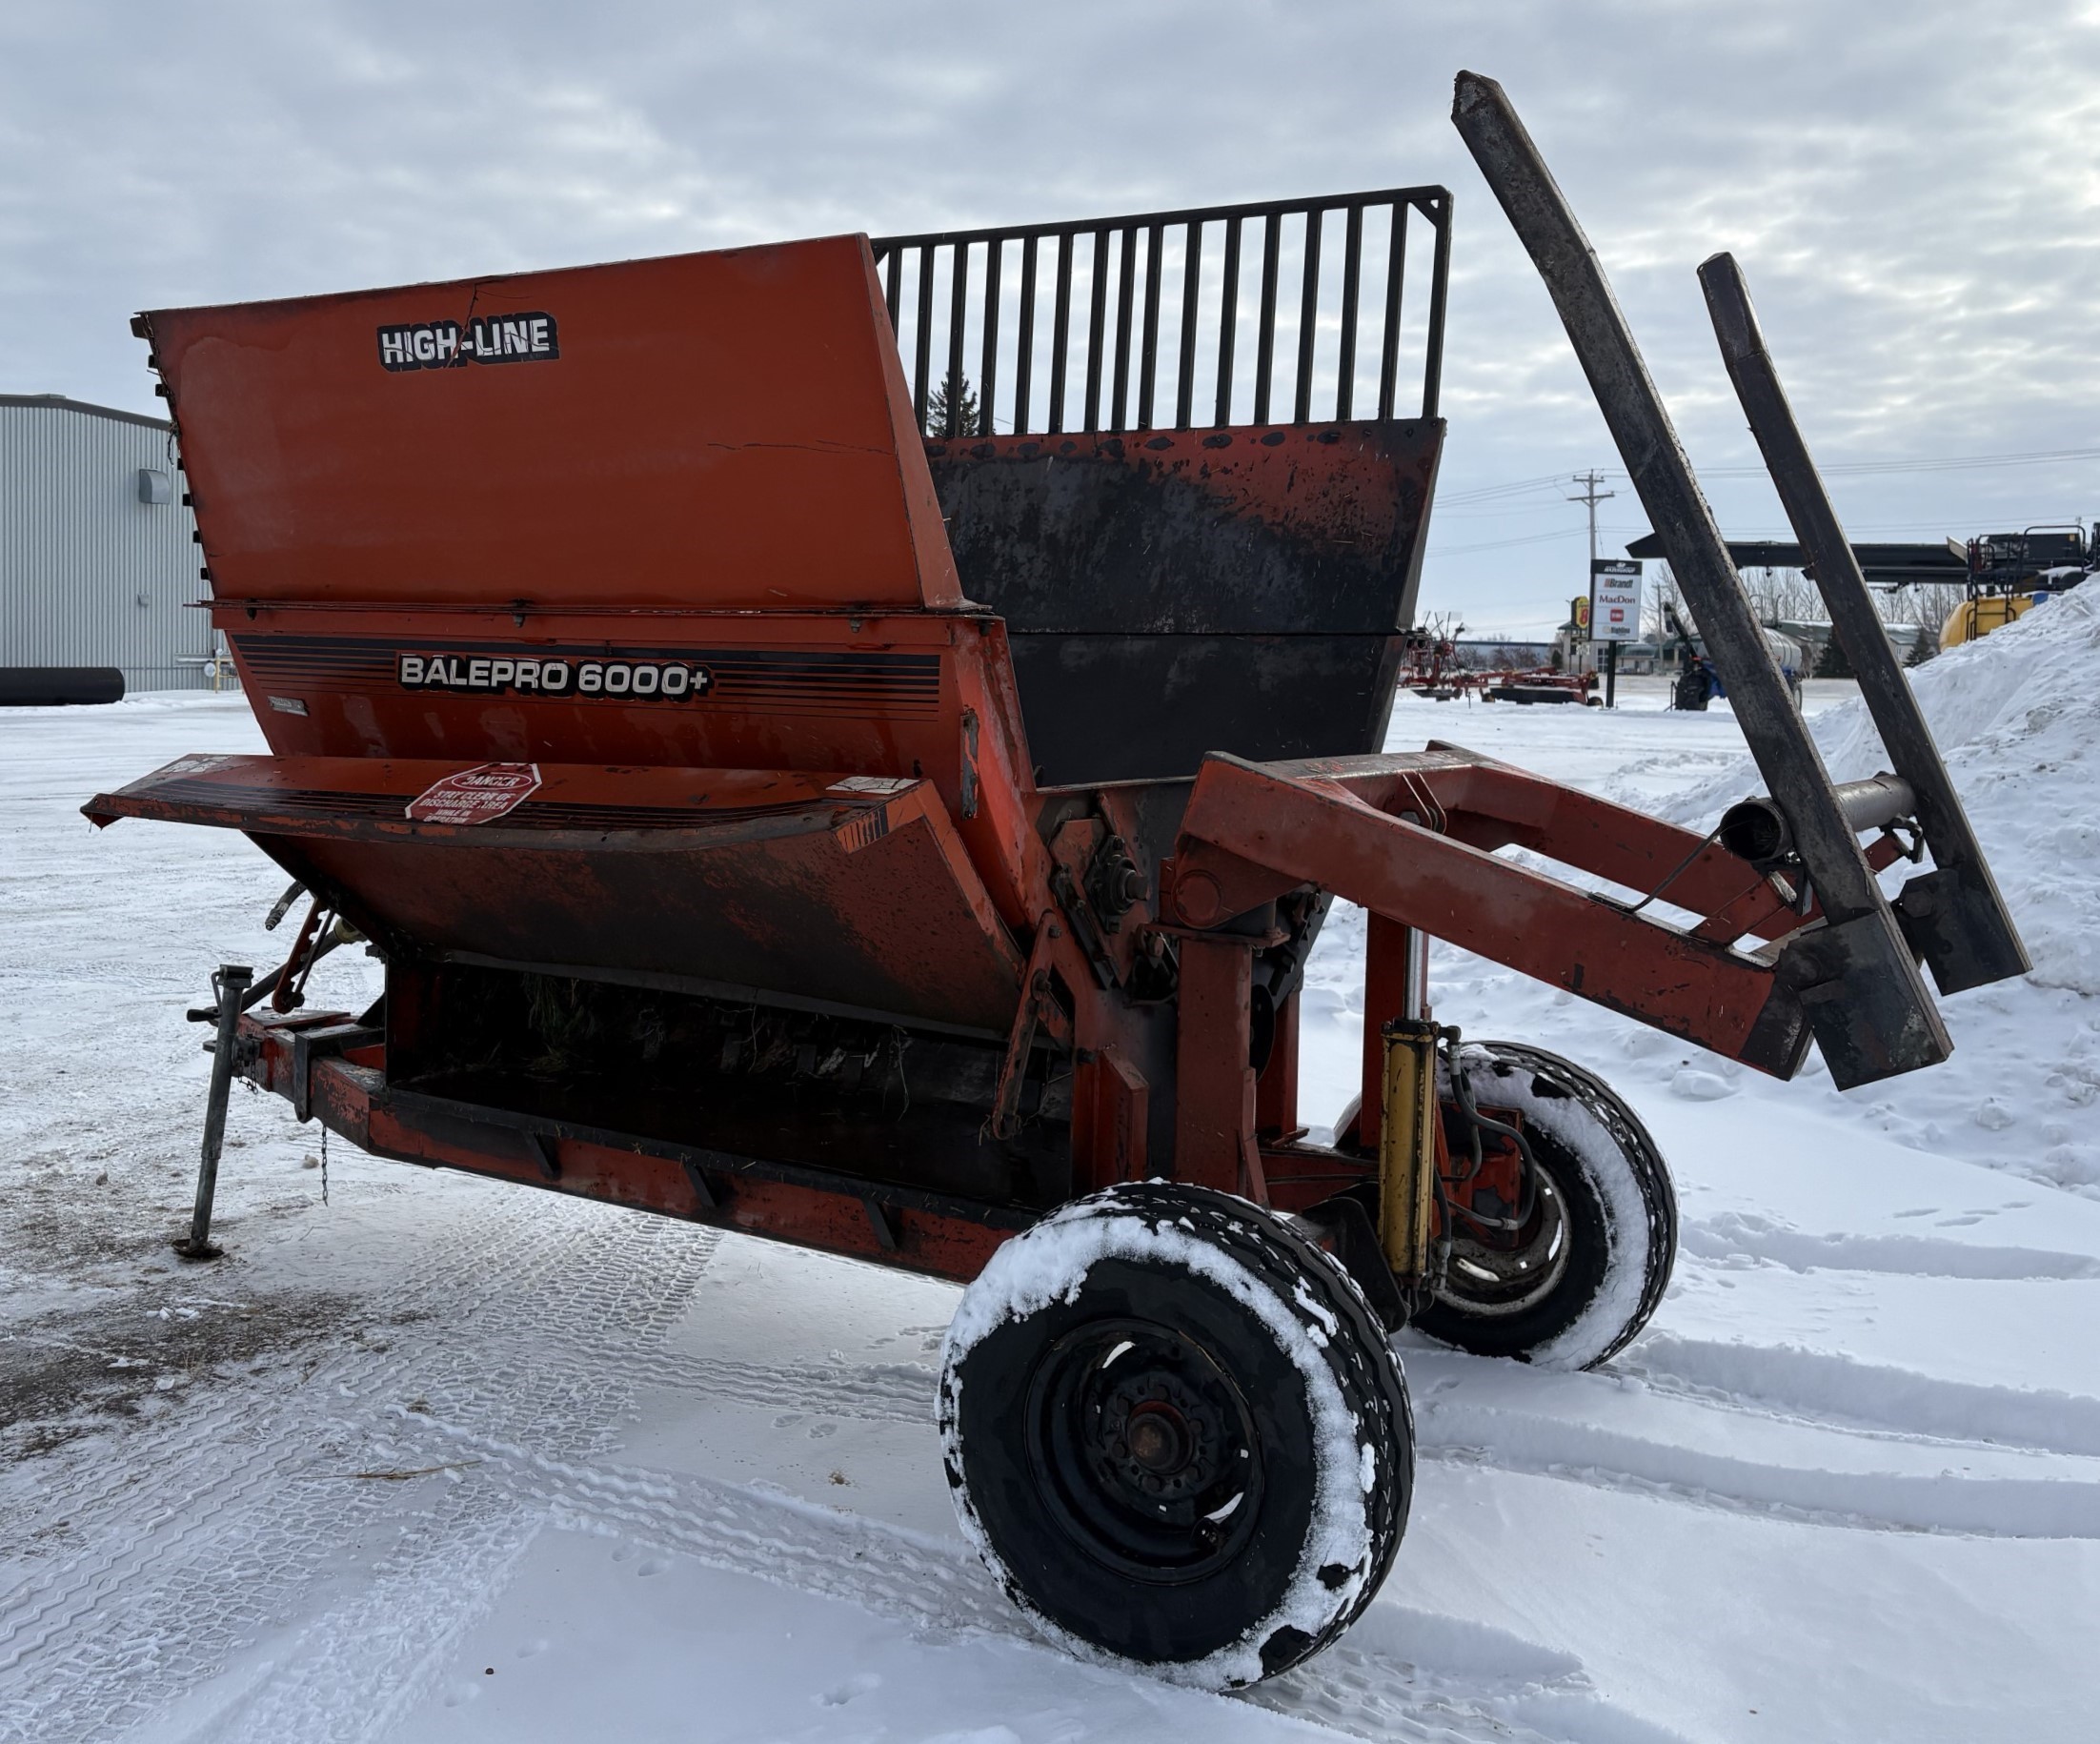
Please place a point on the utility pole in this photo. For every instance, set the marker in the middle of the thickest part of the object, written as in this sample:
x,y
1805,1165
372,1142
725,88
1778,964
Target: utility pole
x,y
1591,497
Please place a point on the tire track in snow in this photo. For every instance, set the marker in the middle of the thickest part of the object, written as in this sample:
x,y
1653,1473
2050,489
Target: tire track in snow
x,y
352,1671
1474,1690
180,1572
1842,1392
1641,1425
1832,1476
872,1392
1869,1501
239,1503
1738,1235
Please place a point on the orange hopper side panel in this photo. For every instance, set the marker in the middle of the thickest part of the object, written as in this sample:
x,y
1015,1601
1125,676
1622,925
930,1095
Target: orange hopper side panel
x,y
717,429
852,891
671,512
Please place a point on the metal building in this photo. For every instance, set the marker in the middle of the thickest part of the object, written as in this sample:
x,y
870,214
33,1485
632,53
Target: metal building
x,y
98,563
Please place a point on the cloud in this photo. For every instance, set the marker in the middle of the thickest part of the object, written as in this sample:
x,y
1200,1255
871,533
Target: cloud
x,y
1911,190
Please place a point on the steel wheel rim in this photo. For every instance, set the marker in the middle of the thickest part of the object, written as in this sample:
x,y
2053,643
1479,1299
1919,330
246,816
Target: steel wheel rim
x,y
1490,1281
1143,1451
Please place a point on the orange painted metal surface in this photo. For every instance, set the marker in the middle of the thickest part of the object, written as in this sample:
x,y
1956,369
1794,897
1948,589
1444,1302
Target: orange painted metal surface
x,y
909,1232
1339,823
859,892
767,842
651,434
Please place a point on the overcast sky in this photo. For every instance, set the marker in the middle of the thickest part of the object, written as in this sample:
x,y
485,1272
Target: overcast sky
x,y
1911,190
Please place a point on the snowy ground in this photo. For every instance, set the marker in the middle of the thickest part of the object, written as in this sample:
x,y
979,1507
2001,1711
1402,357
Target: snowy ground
x,y
437,1459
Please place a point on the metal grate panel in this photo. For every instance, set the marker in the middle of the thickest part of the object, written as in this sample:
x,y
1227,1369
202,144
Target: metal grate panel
x,y
1280,311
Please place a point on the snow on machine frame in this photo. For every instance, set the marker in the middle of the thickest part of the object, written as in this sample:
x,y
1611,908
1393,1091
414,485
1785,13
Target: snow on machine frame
x,y
908,845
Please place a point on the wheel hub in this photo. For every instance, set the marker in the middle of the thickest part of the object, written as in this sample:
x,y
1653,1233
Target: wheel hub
x,y
1145,1450
1159,1436
1495,1273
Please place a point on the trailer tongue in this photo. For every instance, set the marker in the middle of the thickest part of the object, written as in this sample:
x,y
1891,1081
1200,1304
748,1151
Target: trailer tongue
x,y
775,816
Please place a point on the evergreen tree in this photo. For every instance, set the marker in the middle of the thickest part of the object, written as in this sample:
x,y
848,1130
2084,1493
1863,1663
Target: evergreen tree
x,y
952,391
1832,662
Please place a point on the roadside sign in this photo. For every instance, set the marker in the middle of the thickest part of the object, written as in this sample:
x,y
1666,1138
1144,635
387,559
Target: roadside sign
x,y
1614,600
1578,614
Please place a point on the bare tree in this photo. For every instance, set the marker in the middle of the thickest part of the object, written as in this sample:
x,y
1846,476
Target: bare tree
x,y
1787,596
1781,594
1663,594
1926,604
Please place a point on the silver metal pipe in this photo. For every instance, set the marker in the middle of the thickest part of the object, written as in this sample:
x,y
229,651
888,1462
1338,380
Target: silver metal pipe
x,y
1414,1004
1757,830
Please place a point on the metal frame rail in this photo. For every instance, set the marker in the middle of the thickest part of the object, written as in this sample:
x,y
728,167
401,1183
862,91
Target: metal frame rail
x,y
1873,1013
1953,915
1130,262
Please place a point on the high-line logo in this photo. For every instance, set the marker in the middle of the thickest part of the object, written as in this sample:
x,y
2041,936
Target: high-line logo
x,y
446,345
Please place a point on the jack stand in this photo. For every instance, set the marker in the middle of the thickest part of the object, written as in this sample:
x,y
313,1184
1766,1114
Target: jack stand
x,y
228,984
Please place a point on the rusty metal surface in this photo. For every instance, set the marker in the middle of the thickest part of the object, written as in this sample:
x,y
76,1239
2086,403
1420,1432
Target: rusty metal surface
x,y
628,698
1954,917
1202,325
1338,825
1874,1014
914,1230
898,695
1179,592
1215,1131
808,886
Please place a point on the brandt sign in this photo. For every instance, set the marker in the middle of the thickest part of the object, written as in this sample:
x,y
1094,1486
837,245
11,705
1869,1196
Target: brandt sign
x,y
1614,602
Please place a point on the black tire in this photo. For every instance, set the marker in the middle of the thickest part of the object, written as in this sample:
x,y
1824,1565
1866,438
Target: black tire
x,y
1582,1279
1261,1510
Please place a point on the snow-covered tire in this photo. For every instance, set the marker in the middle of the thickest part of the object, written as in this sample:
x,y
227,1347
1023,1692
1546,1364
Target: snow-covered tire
x,y
1591,1266
1177,1434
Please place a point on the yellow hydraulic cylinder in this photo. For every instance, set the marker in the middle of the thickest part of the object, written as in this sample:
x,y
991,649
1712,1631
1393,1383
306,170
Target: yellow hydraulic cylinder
x,y
1407,1150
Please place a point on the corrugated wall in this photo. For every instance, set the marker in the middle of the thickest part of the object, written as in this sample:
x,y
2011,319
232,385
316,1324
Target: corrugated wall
x,y
89,576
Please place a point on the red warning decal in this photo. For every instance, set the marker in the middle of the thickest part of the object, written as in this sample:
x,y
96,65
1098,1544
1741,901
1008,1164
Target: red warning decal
x,y
475,796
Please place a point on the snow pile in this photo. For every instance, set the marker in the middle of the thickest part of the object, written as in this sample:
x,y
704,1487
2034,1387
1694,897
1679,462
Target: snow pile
x,y
2017,716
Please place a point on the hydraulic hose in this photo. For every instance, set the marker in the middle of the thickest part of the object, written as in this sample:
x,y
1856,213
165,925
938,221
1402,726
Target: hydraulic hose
x,y
1477,1122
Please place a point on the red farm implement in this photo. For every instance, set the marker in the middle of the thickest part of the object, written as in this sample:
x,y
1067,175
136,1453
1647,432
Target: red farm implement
x,y
774,815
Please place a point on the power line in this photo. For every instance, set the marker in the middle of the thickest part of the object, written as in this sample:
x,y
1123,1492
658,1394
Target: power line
x,y
1943,463
1516,487
1529,539
1949,465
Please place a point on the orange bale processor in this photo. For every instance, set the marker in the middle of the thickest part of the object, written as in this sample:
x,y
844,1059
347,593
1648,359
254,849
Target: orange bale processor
x,y
855,741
